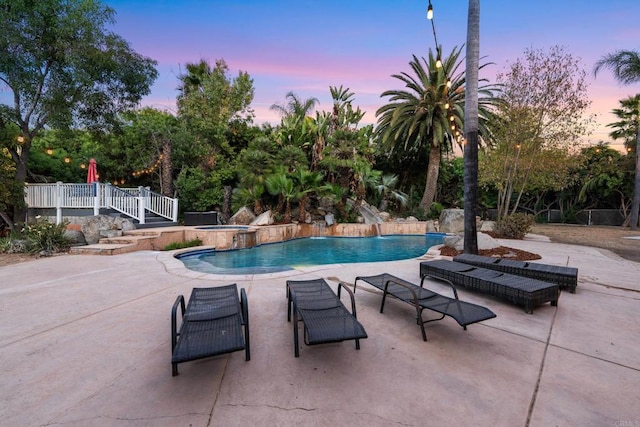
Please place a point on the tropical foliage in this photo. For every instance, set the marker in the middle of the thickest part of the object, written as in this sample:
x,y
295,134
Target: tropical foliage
x,y
210,154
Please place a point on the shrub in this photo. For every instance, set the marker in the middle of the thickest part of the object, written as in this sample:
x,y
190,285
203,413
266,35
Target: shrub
x,y
182,245
44,236
514,226
5,244
435,210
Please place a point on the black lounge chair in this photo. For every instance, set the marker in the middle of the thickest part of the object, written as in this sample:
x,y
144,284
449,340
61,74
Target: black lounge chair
x,y
464,313
516,289
565,277
325,318
214,322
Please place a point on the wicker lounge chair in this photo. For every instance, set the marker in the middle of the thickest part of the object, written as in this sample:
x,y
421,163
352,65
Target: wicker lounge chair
x,y
215,322
565,277
516,289
464,313
325,318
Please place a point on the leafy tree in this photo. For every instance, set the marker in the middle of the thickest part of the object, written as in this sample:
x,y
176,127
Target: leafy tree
x,y
540,118
62,155
604,179
64,68
428,115
214,110
142,153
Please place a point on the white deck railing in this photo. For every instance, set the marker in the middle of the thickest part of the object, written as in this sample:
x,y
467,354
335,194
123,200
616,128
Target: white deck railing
x,y
133,202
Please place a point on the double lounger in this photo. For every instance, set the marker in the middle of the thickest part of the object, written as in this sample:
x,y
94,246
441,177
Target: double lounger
x,y
325,319
464,313
565,277
520,290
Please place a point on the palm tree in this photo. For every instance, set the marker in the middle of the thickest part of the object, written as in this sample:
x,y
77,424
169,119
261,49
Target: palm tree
x,y
296,107
471,129
626,128
386,187
280,185
308,182
429,114
625,65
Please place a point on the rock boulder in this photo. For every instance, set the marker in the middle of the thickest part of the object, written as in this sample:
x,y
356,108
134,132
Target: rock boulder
x,y
244,216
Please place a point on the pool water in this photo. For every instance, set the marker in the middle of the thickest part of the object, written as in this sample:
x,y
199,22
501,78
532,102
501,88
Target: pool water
x,y
288,255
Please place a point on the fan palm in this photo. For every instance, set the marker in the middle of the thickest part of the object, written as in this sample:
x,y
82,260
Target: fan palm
x,y
625,65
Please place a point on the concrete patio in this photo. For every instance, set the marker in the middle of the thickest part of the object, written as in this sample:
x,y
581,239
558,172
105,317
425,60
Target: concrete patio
x,y
85,340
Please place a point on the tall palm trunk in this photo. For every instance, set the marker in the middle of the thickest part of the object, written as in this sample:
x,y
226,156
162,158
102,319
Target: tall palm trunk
x,y
471,129
431,185
635,204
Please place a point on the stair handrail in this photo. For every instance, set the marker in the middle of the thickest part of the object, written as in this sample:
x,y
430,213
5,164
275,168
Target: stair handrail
x,y
123,201
160,205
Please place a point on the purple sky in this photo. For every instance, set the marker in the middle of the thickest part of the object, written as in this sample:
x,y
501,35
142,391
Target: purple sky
x,y
306,46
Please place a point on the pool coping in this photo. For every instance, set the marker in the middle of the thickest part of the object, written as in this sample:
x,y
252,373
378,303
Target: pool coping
x,y
174,266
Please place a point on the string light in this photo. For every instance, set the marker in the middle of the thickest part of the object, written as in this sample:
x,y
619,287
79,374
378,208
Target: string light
x,y
148,170
456,133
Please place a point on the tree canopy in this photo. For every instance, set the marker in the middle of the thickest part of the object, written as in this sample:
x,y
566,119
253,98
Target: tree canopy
x,y
541,117
64,68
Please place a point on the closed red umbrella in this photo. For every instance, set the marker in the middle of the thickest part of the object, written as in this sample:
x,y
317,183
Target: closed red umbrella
x,y
92,173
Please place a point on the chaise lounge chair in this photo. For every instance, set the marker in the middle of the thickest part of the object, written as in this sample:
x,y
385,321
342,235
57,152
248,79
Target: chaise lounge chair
x,y
464,313
214,322
565,277
516,289
324,316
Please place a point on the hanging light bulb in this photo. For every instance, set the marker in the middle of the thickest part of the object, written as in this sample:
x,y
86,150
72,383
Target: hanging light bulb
x,y
448,82
451,118
446,106
430,11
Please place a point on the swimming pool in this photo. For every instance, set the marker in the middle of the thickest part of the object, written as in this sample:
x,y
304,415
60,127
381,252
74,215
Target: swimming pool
x,y
283,256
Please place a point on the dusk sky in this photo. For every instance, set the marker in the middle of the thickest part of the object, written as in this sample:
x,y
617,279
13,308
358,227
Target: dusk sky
x,y
306,46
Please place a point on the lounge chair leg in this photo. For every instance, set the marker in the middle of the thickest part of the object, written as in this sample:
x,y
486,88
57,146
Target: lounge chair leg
x,y
174,369
296,352
357,344
424,334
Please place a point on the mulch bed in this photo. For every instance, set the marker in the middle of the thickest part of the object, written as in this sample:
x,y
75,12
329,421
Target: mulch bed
x,y
501,252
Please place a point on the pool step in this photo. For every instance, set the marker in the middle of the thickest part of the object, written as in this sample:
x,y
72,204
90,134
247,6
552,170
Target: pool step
x,y
131,241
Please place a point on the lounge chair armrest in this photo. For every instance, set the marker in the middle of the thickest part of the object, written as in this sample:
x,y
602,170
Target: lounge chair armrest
x,y
448,282
395,282
174,324
353,301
